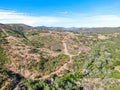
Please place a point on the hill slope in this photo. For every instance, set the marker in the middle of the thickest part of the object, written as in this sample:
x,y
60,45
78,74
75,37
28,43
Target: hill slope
x,y
34,58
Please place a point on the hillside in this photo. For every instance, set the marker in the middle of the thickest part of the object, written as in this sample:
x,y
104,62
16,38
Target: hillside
x,y
42,59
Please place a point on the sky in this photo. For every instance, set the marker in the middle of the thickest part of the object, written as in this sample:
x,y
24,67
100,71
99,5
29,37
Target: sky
x,y
61,13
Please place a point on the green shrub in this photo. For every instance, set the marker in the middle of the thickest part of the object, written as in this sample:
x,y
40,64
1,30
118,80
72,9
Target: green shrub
x,y
3,59
116,74
33,50
48,65
34,85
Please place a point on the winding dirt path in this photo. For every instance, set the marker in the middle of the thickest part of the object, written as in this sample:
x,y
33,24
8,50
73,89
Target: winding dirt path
x,y
65,49
62,68
65,66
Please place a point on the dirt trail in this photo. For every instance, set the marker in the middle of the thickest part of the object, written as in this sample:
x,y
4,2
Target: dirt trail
x,y
62,67
65,49
55,72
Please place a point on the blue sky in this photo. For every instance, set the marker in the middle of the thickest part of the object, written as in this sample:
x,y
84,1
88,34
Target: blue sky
x,y
63,13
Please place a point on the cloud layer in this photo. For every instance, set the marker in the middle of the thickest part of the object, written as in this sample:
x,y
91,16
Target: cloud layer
x,y
15,17
70,21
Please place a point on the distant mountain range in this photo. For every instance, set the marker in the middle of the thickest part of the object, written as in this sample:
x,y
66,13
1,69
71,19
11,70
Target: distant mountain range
x,y
27,27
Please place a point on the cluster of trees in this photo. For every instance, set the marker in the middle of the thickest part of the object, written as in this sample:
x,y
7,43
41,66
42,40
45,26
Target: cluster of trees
x,y
100,61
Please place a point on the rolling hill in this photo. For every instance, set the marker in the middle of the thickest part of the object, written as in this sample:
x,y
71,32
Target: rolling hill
x,y
44,58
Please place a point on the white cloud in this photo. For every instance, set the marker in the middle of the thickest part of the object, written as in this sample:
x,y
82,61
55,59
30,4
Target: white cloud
x,y
70,21
107,18
98,21
15,17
